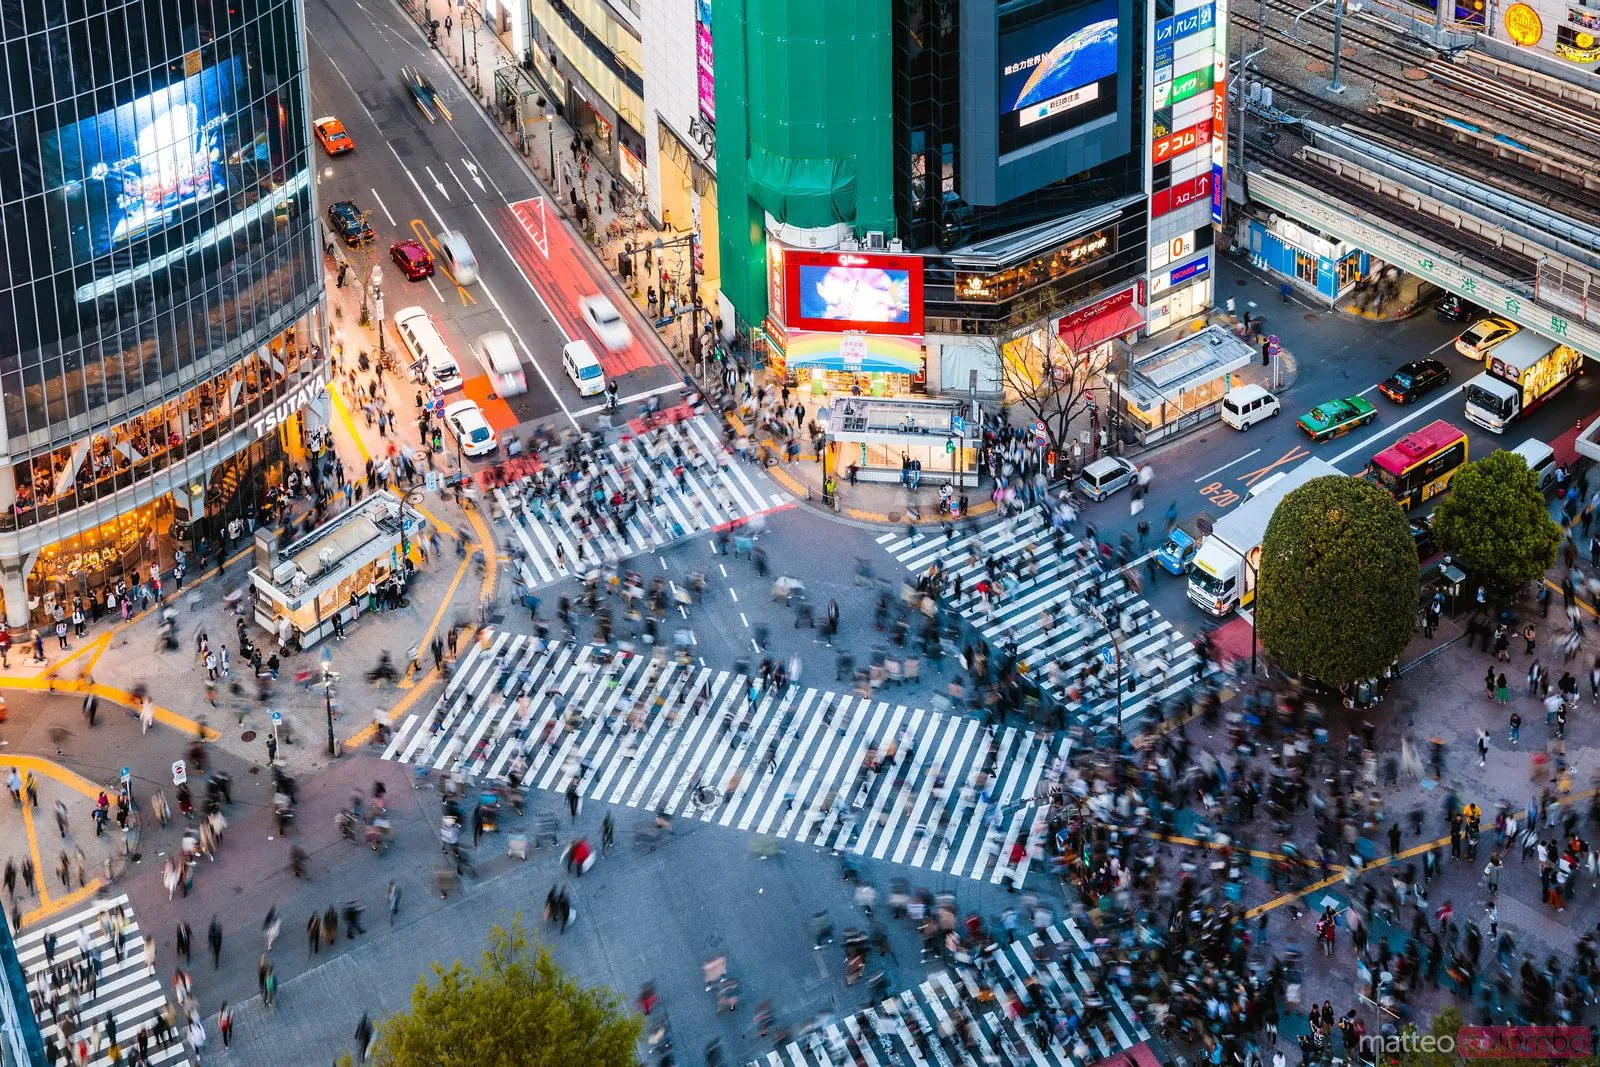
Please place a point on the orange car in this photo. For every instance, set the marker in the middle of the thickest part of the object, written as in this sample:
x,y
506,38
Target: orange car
x,y
331,132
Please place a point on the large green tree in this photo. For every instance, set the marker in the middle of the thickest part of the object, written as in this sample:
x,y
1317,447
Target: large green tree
x,y
517,1008
1338,585
1495,522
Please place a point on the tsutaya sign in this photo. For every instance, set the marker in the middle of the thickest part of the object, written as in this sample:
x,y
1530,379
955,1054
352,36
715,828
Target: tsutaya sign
x,y
1487,293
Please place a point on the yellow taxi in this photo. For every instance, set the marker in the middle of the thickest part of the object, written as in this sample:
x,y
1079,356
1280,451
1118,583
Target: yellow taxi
x,y
331,133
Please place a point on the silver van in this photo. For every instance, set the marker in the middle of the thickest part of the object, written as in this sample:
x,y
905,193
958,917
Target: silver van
x,y
1105,476
457,257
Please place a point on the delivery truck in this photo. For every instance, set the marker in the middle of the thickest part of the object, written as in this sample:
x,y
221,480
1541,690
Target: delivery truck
x,y
1223,575
1519,374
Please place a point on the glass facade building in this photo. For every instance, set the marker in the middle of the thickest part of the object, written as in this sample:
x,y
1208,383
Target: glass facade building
x,y
161,285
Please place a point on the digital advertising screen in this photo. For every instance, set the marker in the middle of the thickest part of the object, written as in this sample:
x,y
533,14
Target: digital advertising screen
x,y
837,291
133,171
1057,73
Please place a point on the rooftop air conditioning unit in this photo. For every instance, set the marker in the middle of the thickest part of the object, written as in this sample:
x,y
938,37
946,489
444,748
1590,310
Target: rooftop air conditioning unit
x,y
896,245
875,241
283,573
848,244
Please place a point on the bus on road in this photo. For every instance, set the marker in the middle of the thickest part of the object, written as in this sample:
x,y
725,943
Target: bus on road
x,y
1420,465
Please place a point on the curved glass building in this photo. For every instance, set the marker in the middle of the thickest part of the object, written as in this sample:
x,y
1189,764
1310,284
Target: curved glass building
x,y
161,325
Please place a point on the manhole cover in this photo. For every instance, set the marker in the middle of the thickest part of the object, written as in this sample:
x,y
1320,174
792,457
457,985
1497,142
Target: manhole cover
x,y
1313,317
894,516
1241,281
255,770
1414,74
247,736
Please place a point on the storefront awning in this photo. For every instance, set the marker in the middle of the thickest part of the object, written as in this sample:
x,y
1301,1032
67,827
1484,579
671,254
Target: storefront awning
x,y
853,352
1099,322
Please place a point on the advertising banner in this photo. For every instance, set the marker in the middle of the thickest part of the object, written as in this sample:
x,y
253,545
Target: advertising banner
x,y
1057,73
1186,85
1185,192
839,291
704,61
1185,140
1219,193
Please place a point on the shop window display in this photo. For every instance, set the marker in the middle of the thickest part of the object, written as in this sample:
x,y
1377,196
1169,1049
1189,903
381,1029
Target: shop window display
x,y
78,473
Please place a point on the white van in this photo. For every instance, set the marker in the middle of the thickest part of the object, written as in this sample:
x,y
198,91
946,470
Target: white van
x,y
583,367
1247,405
501,364
429,354
1541,460
457,257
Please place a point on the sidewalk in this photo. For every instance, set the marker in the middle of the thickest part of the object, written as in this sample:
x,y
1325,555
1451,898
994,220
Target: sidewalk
x,y
606,233
116,659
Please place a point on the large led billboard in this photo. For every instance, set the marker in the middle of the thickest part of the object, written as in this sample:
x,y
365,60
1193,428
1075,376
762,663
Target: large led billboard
x,y
837,291
1057,73
132,171
1047,91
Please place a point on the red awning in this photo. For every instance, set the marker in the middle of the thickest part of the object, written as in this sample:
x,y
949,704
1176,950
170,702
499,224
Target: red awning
x,y
1109,317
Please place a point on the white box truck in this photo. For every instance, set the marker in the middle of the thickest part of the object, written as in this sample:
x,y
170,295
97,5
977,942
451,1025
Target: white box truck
x,y
1223,575
1519,375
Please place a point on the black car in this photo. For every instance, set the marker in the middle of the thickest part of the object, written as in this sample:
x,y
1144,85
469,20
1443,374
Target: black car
x,y
1452,308
1422,537
350,223
1409,382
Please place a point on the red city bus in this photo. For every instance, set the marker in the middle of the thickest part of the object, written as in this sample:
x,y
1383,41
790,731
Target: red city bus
x,y
1420,465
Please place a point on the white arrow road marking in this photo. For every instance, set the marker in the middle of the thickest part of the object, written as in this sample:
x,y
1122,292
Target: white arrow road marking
x,y
437,184
472,169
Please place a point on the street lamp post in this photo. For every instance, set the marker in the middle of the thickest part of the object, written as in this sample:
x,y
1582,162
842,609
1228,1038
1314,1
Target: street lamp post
x,y
328,677
550,128
1338,32
1239,87
691,240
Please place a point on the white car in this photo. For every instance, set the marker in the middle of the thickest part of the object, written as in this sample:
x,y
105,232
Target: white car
x,y
473,434
607,325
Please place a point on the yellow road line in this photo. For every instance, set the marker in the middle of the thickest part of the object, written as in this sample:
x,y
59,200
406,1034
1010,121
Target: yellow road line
x,y
100,646
363,736
165,716
81,650
54,771
1178,839
349,424
42,875
71,900
491,567
444,605
445,528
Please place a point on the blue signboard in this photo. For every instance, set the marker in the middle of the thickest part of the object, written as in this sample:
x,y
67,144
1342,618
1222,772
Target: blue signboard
x,y
1188,271
1189,23
1219,195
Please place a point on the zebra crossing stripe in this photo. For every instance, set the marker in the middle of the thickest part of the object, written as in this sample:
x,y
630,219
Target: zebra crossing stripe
x,y
816,789
715,489
1016,620
945,995
125,991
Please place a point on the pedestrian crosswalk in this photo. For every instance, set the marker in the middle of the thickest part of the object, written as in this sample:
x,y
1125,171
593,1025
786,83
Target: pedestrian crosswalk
x,y
685,481
906,1028
126,990
1158,662
689,741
